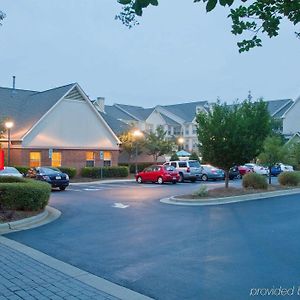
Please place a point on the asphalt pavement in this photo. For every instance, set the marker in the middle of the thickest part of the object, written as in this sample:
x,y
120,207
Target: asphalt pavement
x,y
121,232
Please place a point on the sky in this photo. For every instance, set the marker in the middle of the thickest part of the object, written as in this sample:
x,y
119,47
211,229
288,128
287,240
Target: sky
x,y
177,54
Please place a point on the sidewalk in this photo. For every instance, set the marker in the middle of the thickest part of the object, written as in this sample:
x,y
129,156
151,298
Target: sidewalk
x,y
29,274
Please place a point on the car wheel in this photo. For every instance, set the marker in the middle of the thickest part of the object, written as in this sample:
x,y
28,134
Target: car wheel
x,y
160,180
62,188
174,182
193,180
239,176
181,179
139,179
204,177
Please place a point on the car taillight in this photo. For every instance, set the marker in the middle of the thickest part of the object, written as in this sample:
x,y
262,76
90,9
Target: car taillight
x,y
188,169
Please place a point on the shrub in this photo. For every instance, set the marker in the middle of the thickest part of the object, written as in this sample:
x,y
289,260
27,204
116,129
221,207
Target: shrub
x,y
174,156
22,169
140,167
27,195
11,179
107,172
202,191
289,178
255,181
68,170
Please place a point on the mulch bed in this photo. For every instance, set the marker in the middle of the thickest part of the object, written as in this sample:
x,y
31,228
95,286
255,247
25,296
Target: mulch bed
x,y
231,191
15,215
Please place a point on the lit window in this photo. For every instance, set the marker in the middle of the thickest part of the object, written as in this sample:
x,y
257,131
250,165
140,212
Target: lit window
x,y
90,159
35,159
56,159
107,159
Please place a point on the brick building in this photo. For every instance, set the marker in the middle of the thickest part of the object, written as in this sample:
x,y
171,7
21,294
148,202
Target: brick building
x,y
56,127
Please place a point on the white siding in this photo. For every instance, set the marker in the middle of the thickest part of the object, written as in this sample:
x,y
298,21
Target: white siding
x,y
291,121
71,124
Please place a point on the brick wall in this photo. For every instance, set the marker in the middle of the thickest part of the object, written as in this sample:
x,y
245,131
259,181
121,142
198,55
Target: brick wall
x,y
70,158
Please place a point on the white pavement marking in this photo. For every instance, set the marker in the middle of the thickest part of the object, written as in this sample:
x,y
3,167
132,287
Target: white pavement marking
x,y
92,190
120,205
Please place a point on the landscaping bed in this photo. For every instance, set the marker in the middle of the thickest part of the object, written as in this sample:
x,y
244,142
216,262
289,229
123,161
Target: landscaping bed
x,y
15,215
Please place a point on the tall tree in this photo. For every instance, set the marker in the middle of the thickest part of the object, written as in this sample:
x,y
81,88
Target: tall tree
x,y
156,143
232,134
272,153
253,16
2,16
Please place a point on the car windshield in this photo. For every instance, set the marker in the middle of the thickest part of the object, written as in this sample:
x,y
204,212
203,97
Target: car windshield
x,y
194,164
9,170
49,170
169,168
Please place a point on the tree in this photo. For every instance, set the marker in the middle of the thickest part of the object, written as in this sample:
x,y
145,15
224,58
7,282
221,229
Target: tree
x,y
254,16
174,156
194,156
232,134
292,154
2,130
273,152
156,143
130,144
2,16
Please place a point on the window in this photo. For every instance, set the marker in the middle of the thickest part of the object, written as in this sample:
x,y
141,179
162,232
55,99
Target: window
x,y
194,129
170,130
56,159
90,159
34,159
173,164
177,130
182,164
107,159
187,130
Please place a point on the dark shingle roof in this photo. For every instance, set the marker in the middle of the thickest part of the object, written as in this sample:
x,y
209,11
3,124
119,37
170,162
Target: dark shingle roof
x,y
136,111
117,126
117,113
277,108
186,111
26,107
168,120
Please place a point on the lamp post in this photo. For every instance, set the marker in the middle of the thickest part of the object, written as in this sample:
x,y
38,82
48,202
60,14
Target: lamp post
x,y
137,134
8,125
180,143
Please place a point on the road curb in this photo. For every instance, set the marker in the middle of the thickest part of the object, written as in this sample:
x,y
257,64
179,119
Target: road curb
x,y
102,181
227,200
48,215
89,279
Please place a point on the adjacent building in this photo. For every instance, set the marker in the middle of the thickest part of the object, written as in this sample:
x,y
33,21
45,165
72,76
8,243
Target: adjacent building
x,y
57,127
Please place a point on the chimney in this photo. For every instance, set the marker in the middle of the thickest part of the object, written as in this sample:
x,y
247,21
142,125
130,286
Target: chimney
x,y
14,82
100,103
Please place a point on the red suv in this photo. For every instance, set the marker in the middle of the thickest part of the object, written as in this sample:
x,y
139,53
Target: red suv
x,y
159,174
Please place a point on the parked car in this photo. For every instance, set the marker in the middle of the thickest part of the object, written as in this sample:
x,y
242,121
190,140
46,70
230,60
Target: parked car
x,y
258,169
279,168
159,174
210,172
53,176
234,173
187,169
10,171
244,170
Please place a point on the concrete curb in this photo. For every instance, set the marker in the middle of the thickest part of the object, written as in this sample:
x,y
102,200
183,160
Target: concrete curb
x,y
48,215
228,200
76,273
102,181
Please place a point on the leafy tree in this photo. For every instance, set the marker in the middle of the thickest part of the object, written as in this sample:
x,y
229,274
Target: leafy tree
x,y
253,16
292,154
232,134
2,130
131,144
2,16
156,143
194,156
273,152
174,156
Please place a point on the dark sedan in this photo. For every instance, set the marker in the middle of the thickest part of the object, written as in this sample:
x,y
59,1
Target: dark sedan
x,y
53,176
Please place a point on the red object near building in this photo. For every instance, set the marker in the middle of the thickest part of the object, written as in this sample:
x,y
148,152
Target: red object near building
x,y
1,159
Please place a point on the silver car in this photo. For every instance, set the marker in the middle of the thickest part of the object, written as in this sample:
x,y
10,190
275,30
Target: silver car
x,y
10,171
210,172
187,169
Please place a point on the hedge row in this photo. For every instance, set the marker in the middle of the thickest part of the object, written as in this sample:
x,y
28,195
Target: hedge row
x,y
140,167
289,178
107,172
68,170
23,194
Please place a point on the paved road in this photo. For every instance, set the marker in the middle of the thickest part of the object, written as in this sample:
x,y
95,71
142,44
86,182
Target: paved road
x,y
123,233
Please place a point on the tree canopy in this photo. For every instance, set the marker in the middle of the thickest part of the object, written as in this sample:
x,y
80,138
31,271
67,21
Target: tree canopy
x,y
253,17
232,134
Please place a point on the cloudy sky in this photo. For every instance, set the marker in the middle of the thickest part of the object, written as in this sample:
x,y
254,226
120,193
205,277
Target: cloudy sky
x,y
178,53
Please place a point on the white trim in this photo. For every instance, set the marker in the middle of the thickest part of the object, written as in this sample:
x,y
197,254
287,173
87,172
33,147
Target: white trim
x,y
126,112
167,113
298,99
283,106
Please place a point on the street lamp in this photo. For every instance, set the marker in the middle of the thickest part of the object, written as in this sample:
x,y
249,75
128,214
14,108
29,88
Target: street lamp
x,y
8,125
180,142
137,134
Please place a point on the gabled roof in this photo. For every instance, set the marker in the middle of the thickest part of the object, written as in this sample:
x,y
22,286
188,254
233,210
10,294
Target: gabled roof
x,y
137,111
277,108
168,120
117,126
186,111
117,113
26,107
